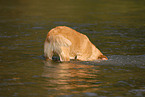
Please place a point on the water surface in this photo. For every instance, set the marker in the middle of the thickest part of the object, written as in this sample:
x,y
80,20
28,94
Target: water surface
x,y
117,28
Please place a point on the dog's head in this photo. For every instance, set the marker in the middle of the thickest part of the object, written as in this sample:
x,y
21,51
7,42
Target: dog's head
x,y
102,57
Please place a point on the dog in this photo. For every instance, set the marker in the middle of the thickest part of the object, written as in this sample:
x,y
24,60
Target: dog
x,y
70,44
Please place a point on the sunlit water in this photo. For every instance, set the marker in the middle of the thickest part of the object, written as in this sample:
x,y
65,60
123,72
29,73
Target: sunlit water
x,y
117,28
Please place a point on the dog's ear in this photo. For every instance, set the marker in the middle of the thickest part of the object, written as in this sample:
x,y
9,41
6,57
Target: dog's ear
x,y
102,57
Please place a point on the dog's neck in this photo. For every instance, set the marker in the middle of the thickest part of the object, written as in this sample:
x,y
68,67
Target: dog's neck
x,y
95,53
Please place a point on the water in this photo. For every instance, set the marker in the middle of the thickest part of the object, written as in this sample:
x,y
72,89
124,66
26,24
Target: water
x,y
116,27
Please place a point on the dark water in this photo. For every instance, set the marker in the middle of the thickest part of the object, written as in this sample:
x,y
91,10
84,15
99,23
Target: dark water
x,y
117,27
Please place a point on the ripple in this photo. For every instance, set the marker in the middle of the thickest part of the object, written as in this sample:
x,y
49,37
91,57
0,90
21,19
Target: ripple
x,y
38,28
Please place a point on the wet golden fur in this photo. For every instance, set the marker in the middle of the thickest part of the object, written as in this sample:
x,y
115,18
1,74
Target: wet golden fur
x,y
70,44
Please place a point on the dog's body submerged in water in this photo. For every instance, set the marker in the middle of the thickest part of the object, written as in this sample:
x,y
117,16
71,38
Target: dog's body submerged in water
x,y
70,44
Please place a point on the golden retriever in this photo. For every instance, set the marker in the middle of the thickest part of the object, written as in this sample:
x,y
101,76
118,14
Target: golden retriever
x,y
70,44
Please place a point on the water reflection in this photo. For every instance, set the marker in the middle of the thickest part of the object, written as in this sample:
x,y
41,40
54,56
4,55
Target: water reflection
x,y
70,77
